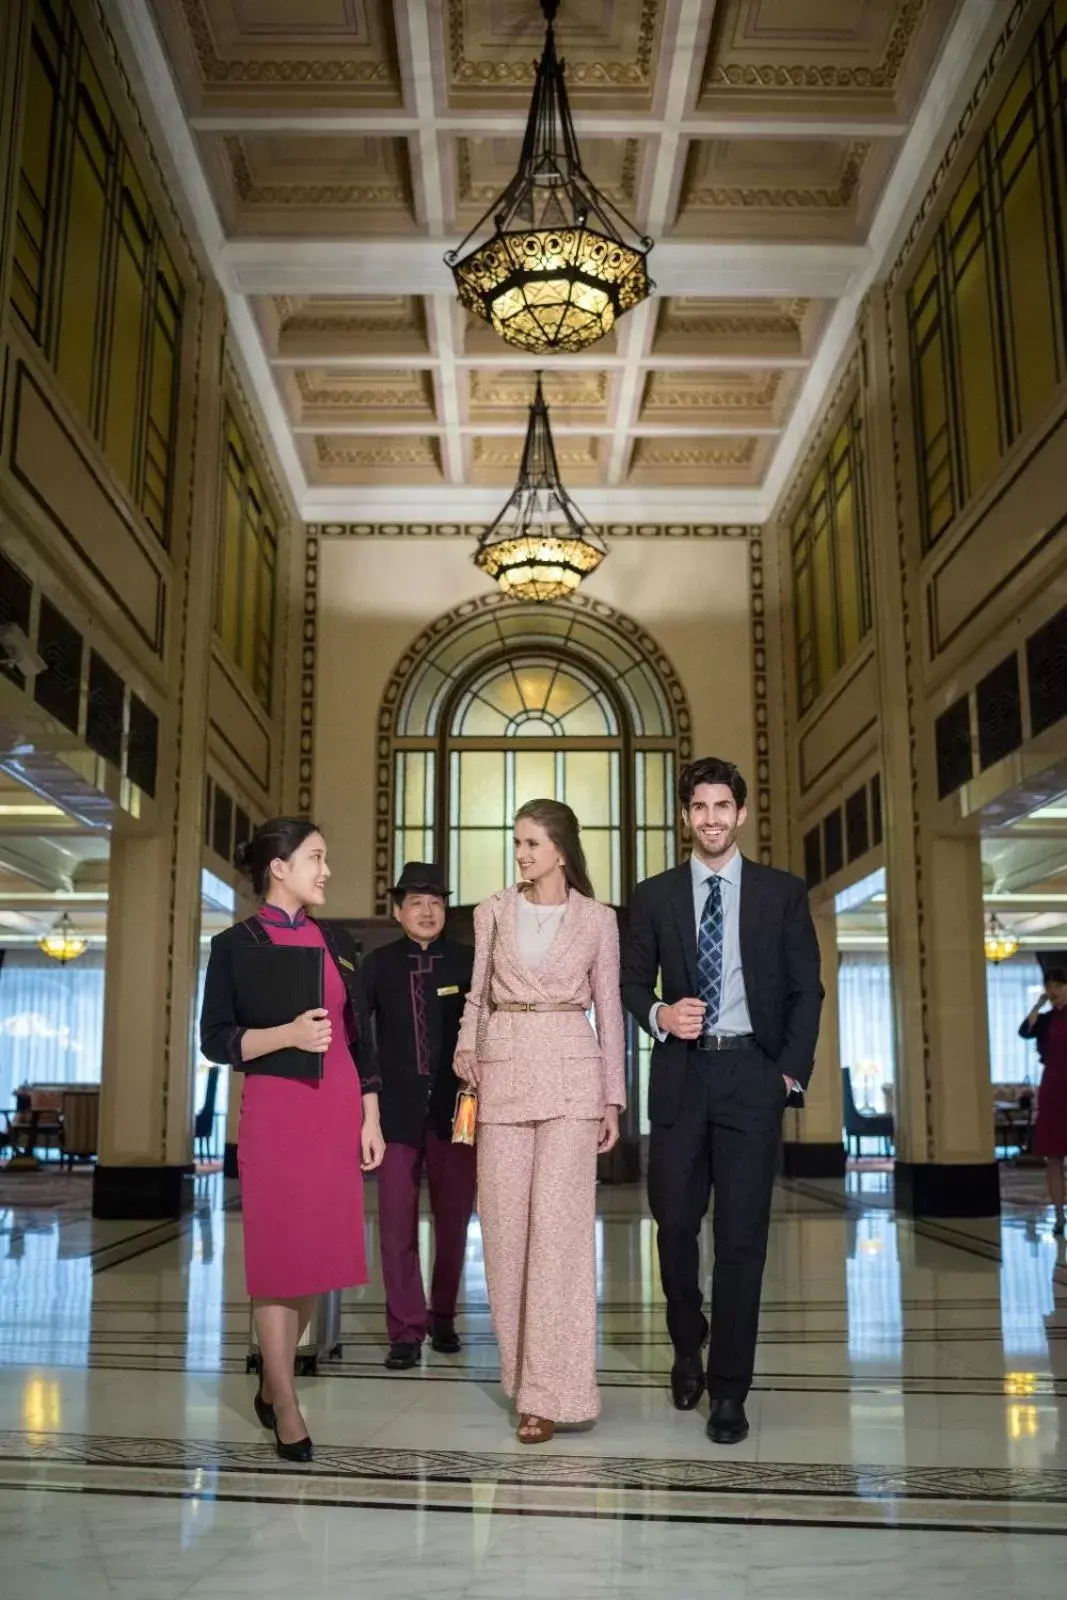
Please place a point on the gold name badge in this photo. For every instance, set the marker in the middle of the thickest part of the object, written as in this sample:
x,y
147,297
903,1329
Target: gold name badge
x,y
345,963
452,988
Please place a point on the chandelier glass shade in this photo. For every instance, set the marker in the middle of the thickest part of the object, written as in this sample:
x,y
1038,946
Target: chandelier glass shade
x,y
1000,944
540,547
561,262
62,943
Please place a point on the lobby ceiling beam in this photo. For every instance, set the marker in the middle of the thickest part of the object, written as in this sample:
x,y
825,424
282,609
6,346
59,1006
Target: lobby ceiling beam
x,y
729,269
510,360
560,428
512,125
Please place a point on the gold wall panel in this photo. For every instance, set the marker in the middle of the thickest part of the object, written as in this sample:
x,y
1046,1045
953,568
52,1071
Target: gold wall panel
x,y
240,739
847,725
50,465
1025,518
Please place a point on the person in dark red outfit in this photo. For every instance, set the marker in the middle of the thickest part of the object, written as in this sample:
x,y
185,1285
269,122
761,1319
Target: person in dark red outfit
x,y
1049,1028
415,990
304,1142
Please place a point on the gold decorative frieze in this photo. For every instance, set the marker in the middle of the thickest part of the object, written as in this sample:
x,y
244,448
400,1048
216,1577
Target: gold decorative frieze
x,y
774,174
344,51
784,46
485,166
357,172
691,390
381,450
611,52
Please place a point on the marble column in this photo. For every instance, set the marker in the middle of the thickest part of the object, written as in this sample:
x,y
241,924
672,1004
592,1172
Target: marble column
x,y
812,1143
147,1089
943,1101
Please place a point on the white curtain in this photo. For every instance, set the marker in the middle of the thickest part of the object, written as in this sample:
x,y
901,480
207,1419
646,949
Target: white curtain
x,y
866,1021
52,1024
51,1020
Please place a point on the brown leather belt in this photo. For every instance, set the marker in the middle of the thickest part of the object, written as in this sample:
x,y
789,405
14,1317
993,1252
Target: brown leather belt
x,y
538,1005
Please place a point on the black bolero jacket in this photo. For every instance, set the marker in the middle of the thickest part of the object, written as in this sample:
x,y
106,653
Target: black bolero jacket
x,y
221,1029
1037,1032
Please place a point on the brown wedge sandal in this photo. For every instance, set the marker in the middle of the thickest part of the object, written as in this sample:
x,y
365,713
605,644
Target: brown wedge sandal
x,y
535,1430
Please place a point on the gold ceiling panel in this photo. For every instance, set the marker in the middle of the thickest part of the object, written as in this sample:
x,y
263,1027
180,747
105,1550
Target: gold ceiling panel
x,y
721,462
811,188
852,56
495,458
698,325
575,396
611,50
320,326
758,398
484,167
320,183
248,54
319,397
380,458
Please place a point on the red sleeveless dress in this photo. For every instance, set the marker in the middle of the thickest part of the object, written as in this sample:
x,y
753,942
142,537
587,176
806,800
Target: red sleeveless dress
x,y
298,1154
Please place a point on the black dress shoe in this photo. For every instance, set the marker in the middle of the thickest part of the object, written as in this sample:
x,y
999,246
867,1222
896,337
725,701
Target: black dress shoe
x,y
727,1423
444,1339
403,1355
687,1382
263,1409
301,1450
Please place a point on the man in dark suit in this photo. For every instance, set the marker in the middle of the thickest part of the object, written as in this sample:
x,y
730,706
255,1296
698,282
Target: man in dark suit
x,y
735,1027
415,990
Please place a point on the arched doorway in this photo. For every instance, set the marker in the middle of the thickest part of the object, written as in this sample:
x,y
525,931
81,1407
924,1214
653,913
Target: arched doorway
x,y
499,702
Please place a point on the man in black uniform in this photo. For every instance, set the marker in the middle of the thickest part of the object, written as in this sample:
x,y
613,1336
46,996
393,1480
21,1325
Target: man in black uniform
x,y
415,989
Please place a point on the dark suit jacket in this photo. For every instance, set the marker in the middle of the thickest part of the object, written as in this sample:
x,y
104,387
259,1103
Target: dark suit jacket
x,y
779,955
418,1084
221,1028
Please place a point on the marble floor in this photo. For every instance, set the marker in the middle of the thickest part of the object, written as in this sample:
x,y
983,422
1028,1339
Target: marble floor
x,y
909,1425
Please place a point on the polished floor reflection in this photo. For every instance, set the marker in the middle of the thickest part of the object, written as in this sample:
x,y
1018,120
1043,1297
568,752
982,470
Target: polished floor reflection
x,y
911,1380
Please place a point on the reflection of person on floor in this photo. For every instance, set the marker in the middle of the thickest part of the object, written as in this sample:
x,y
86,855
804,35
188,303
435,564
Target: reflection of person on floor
x,y
1049,1029
415,989
721,966
549,1096
304,1137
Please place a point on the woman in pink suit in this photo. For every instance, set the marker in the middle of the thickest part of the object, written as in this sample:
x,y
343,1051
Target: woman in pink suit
x,y
550,1090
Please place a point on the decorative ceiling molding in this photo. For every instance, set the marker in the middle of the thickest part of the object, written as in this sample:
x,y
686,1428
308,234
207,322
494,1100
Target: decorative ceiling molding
x,y
265,71
473,531
726,197
581,72
816,78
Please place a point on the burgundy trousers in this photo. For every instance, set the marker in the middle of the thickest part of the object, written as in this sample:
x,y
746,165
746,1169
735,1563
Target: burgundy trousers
x,y
450,1169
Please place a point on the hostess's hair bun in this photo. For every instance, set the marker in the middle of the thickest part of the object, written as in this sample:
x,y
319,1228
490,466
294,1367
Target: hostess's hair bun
x,y
242,857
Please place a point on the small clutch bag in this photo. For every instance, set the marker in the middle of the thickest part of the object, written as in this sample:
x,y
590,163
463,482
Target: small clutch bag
x,y
465,1119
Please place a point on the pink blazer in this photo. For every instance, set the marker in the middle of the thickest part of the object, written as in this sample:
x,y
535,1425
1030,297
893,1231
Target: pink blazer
x,y
536,1064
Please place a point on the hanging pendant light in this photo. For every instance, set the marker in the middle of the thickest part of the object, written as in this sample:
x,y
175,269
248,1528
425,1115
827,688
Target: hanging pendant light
x,y
562,262
1000,945
62,943
540,547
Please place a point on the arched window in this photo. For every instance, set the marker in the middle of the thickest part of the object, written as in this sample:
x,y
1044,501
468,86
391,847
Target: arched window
x,y
499,703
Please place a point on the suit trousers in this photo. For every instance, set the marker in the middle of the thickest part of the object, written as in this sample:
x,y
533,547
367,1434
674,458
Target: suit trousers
x,y
537,1207
451,1174
726,1137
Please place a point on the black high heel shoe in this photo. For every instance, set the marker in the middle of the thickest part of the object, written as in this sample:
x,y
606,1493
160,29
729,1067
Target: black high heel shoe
x,y
302,1450
264,1410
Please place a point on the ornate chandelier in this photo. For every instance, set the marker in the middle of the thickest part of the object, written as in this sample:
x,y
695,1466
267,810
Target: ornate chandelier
x,y
62,943
540,547
1000,945
562,262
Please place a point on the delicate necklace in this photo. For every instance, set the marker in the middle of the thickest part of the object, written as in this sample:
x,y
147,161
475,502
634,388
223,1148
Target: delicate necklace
x,y
543,922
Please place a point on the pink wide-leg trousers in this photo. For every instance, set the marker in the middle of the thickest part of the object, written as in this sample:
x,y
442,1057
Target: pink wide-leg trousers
x,y
537,1207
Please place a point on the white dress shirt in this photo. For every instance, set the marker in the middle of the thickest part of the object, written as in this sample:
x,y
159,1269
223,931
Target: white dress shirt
x,y
733,1017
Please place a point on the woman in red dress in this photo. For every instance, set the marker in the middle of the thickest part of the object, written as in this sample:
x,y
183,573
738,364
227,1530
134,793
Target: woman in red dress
x,y
1049,1028
304,1142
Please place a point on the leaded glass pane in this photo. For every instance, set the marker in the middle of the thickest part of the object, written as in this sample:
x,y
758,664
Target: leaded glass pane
x,y
595,719
587,785
535,776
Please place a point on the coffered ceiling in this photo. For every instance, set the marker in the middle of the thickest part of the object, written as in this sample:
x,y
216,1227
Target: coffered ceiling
x,y
332,150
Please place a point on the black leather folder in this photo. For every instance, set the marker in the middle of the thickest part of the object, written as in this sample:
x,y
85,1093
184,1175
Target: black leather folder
x,y
273,985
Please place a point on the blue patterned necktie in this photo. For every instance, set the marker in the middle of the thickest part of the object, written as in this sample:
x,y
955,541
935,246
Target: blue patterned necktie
x,y
709,953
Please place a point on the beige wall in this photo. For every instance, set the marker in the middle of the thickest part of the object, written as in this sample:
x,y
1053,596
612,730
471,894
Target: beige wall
x,y
377,594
